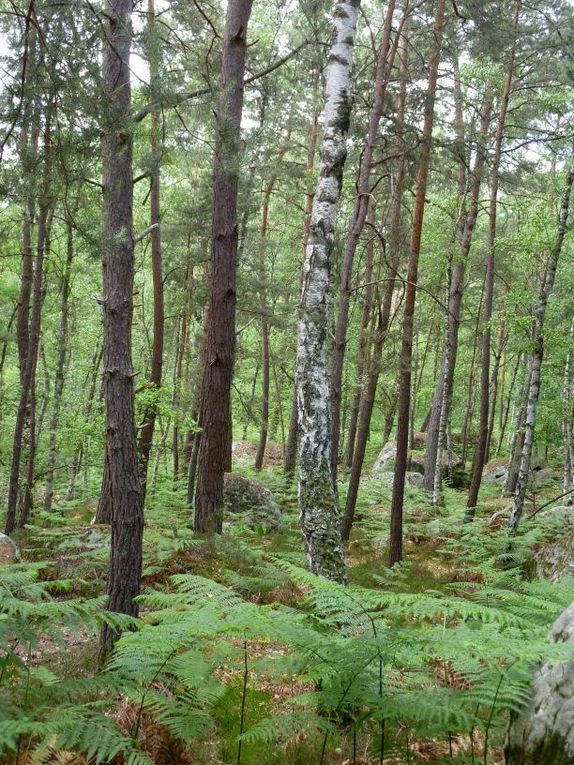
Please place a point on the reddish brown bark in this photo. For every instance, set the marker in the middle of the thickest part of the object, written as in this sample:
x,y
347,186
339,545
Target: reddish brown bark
x,y
406,354
155,377
215,441
482,441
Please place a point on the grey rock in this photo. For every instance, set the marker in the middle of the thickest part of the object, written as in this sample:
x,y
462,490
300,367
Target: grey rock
x,y
496,474
411,478
9,552
250,499
542,476
545,735
385,461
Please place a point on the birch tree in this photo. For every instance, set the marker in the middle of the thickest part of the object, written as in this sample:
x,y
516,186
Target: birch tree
x,y
317,493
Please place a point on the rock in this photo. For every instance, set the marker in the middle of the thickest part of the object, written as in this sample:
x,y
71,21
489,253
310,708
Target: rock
x,y
9,552
554,559
545,735
386,459
94,540
244,453
411,478
537,463
252,500
541,476
496,473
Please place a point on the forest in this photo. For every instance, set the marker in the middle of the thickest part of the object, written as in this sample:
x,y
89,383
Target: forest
x,y
286,382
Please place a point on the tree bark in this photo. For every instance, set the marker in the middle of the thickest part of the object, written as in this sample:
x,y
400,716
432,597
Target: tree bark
x,y
155,378
60,366
405,359
33,342
215,440
125,489
538,354
363,349
370,391
442,403
290,456
480,449
318,501
383,72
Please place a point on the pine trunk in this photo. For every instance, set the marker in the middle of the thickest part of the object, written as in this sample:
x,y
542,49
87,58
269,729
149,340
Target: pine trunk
x,y
215,441
406,353
124,484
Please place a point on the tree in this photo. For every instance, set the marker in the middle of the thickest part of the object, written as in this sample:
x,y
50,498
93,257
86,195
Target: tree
x,y
538,354
317,493
125,488
406,353
214,456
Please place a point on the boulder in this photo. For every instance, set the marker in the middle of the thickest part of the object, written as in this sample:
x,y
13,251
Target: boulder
x,y
386,459
244,452
554,559
411,478
9,552
545,735
495,473
541,476
252,500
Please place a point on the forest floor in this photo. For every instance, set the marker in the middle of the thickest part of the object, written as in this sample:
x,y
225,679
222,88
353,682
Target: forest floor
x,y
242,560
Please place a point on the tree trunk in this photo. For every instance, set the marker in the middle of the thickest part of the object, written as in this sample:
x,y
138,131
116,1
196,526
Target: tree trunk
x,y
215,441
505,413
480,449
155,378
537,355
517,440
405,359
363,349
290,456
33,342
382,75
442,403
318,501
567,417
370,391
125,489
60,366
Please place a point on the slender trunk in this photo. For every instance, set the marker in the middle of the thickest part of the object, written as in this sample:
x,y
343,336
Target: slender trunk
x,y
265,361
517,440
92,378
368,399
125,489
215,442
318,501
537,355
469,409
383,72
147,427
27,381
290,456
506,409
494,387
480,449
567,416
60,366
442,403
405,359
363,349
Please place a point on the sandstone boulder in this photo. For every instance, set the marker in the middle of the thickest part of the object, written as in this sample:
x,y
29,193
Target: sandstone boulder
x,y
250,499
545,735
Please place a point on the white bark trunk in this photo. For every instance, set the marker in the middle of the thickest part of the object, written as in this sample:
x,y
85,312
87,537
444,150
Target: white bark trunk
x,y
318,501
